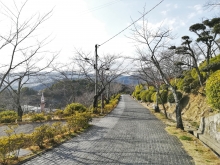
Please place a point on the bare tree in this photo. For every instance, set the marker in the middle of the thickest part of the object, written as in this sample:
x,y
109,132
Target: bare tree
x,y
20,44
109,68
212,4
152,46
148,73
66,73
24,51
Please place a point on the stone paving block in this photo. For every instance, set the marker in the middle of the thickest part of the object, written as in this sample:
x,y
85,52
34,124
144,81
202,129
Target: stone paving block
x,y
128,135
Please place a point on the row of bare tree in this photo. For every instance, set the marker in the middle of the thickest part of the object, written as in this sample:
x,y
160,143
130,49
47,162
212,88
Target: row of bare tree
x,y
26,58
159,61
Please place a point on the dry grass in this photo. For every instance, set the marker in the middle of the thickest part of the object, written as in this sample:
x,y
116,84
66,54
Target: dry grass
x,y
201,154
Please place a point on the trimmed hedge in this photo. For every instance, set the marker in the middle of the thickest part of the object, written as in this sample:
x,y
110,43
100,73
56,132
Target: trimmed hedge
x,y
163,94
143,95
148,96
213,89
37,117
8,116
170,97
73,107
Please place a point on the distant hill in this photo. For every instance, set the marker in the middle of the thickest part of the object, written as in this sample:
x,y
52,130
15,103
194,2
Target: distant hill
x,y
128,80
48,80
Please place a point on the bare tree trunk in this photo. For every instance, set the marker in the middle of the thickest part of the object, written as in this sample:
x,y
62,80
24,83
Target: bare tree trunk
x,y
177,101
199,76
177,110
165,110
156,108
95,101
20,113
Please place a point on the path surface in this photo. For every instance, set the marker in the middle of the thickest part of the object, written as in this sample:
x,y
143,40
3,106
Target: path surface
x,y
128,135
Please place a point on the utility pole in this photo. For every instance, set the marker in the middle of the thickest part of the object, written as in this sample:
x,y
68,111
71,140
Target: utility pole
x,y
96,71
102,101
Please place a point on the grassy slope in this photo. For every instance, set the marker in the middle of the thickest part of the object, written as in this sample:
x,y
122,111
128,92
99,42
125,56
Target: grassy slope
x,y
201,154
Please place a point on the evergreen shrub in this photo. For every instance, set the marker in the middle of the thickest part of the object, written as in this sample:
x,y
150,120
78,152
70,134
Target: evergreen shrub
x,y
163,98
8,116
37,117
163,94
170,97
148,95
143,95
213,89
72,108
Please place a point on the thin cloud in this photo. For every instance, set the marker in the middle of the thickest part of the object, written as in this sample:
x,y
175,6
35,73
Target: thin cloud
x,y
164,12
197,10
176,6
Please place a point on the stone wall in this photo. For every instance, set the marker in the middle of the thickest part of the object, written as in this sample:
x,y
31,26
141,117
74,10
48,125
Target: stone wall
x,y
209,132
211,126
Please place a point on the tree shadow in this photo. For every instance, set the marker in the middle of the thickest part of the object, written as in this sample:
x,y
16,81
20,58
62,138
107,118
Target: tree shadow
x,y
184,102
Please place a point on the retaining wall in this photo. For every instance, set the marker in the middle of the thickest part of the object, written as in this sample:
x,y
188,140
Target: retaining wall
x,y
209,132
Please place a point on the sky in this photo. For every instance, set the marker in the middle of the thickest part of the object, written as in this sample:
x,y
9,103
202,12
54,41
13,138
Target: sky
x,y
80,24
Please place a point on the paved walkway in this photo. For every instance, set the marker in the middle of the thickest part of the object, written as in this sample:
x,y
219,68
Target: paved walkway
x,y
129,135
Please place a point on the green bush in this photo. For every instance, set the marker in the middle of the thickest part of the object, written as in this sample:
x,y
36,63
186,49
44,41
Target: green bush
x,y
138,97
8,116
59,113
164,87
48,117
212,67
58,128
151,88
212,60
170,97
194,74
179,83
163,94
137,91
154,96
108,107
28,140
187,80
143,95
195,84
4,150
148,95
186,89
16,142
114,102
78,120
10,144
40,134
72,108
213,89
118,96
163,98
37,117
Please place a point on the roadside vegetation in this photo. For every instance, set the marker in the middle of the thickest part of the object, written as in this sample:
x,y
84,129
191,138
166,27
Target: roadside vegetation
x,y
201,154
68,123
186,85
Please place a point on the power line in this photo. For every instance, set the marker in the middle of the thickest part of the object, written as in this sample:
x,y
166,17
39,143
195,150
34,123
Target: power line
x,y
131,23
